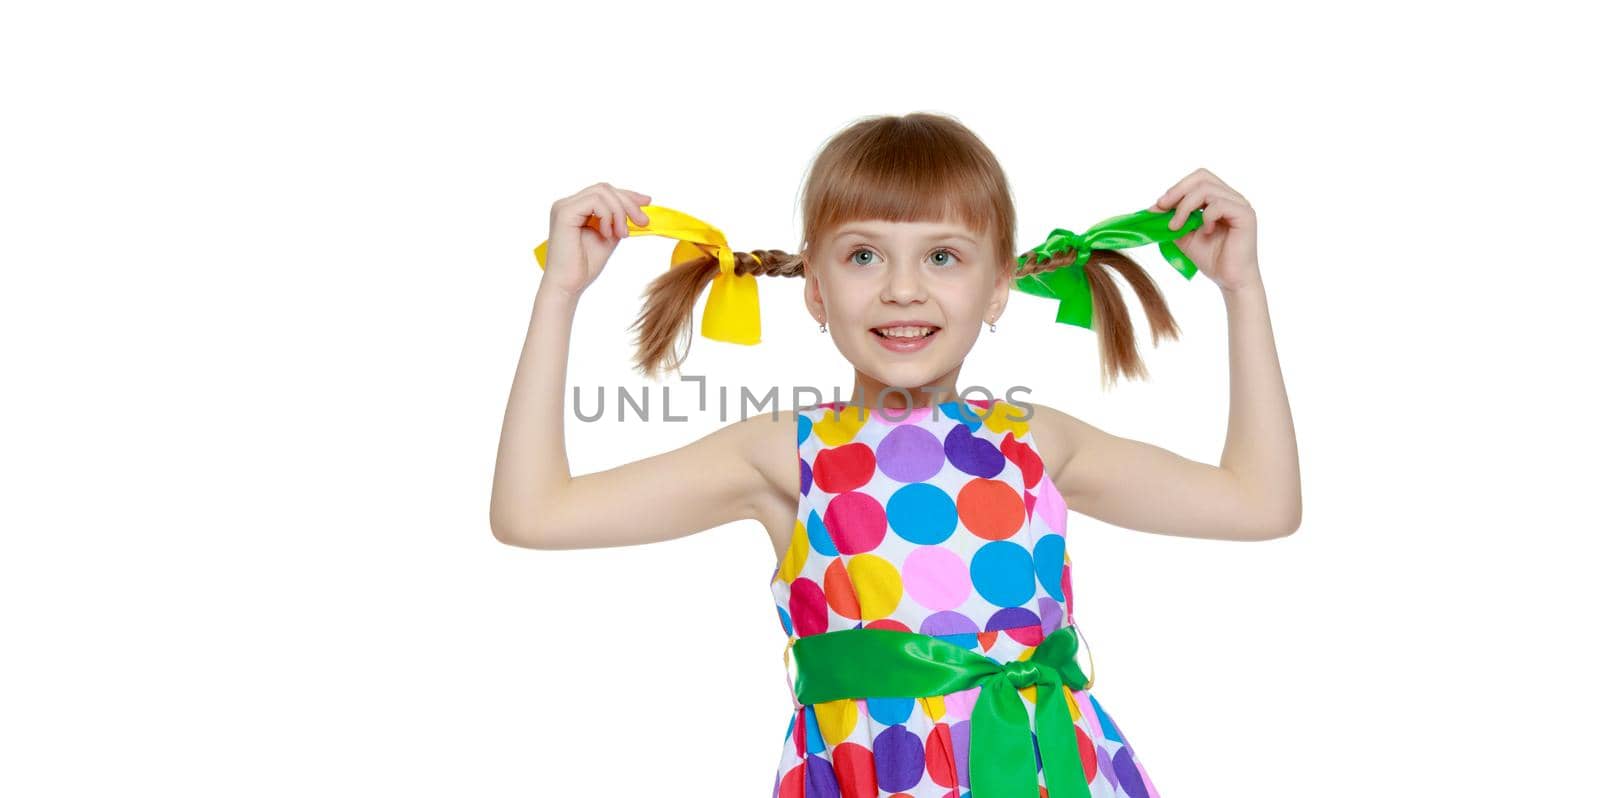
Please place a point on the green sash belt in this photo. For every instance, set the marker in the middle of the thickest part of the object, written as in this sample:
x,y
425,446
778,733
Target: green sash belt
x,y
887,663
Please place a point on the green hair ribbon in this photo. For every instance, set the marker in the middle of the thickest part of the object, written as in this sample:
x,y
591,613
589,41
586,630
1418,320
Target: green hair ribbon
x,y
1071,286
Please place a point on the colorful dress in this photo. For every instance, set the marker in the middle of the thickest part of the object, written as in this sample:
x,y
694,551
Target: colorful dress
x,y
939,521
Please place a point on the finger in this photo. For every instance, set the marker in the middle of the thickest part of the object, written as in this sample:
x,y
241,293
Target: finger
x,y
1179,190
574,211
1230,190
1169,197
1186,206
616,221
1225,209
625,206
635,212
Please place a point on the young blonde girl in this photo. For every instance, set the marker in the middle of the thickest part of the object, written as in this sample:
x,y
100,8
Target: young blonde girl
x,y
922,573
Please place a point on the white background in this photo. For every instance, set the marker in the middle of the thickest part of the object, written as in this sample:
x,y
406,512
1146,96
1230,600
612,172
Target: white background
x,y
268,270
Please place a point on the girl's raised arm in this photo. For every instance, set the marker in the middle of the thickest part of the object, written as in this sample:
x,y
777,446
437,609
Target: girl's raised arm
x,y
536,502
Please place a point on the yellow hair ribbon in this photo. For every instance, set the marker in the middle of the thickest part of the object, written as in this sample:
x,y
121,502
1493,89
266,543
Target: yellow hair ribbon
x,y
733,311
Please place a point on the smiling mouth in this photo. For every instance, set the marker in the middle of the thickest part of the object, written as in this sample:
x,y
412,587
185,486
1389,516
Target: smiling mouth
x,y
904,333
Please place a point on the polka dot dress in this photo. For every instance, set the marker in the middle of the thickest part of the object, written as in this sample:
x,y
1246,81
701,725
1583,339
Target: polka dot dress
x,y
938,521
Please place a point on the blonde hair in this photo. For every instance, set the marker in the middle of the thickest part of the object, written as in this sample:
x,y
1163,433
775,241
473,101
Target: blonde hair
x,y
915,167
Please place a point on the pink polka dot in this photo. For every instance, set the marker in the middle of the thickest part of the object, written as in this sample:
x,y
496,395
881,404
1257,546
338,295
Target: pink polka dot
x,y
808,607
1052,507
936,578
896,415
960,703
856,522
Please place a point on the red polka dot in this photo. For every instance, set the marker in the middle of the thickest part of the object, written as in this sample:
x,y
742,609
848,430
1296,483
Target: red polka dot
x,y
1091,764
1025,457
858,775
856,522
1031,635
888,623
841,592
940,756
794,782
844,468
808,608
990,508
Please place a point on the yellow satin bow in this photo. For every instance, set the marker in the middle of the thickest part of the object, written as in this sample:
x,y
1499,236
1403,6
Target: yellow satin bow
x,y
733,311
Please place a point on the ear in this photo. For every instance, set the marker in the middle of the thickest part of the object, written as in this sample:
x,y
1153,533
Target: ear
x,y
813,291
1002,294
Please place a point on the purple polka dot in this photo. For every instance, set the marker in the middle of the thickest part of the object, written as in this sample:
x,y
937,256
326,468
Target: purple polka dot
x,y
910,454
1103,760
897,757
972,454
820,779
949,622
961,741
1049,614
1011,618
805,477
1127,771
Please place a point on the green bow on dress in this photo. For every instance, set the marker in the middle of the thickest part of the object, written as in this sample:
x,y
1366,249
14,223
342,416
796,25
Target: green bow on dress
x,y
1069,284
866,662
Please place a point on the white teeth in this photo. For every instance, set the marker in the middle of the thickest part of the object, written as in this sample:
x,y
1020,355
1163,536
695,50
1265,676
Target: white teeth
x,y
905,332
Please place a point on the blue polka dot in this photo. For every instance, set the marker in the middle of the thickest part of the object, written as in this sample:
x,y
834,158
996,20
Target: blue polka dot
x,y
803,422
817,533
1106,724
889,711
814,742
1049,557
922,513
783,618
1002,572
962,413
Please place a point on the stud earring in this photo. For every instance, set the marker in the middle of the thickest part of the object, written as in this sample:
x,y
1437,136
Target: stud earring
x,y
991,326
823,327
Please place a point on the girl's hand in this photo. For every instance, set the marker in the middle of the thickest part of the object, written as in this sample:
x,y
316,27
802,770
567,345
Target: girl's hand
x,y
1224,246
584,230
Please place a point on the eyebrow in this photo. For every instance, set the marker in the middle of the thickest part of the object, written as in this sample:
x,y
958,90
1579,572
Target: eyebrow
x,y
935,237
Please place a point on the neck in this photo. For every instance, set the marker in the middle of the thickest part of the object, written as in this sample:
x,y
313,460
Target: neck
x,y
873,393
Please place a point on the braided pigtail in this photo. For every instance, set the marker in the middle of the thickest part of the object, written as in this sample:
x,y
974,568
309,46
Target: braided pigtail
x,y
1119,353
666,318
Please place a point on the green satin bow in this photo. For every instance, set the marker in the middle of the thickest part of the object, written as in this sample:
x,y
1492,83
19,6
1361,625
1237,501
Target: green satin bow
x,y
1071,286
860,663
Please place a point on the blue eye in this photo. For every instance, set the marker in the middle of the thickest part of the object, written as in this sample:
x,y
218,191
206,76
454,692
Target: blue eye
x,y
858,250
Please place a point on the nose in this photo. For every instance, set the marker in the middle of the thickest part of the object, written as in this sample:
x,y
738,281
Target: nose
x,y
903,284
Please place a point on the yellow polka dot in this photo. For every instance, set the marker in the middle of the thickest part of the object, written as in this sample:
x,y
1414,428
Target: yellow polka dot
x,y
795,558
839,427
934,706
1072,704
1003,416
836,719
877,583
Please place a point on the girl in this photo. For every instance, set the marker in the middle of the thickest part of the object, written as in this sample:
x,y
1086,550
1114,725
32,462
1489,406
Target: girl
x,y
922,574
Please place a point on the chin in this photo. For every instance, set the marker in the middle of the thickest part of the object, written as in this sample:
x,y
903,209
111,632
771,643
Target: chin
x,y
911,375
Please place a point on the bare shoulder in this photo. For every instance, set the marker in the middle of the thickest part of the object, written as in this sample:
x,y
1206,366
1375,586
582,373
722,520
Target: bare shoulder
x,y
1056,436
769,445
769,440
